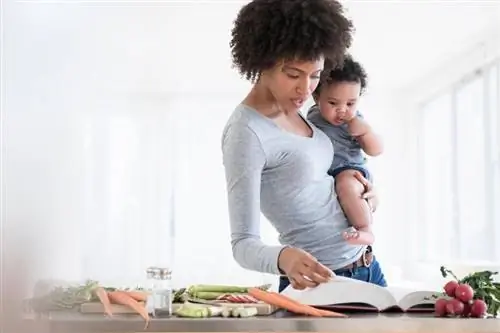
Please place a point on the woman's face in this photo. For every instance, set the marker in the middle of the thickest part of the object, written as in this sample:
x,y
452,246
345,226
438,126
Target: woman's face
x,y
292,83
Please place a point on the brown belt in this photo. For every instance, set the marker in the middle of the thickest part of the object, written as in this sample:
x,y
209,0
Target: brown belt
x,y
365,260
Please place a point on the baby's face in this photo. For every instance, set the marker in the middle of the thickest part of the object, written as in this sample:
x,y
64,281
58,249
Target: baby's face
x,y
338,101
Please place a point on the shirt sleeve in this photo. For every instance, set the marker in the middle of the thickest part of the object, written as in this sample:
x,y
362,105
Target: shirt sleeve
x,y
244,161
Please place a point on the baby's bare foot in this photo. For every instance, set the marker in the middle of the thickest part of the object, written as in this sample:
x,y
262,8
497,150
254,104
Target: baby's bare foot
x,y
354,237
351,236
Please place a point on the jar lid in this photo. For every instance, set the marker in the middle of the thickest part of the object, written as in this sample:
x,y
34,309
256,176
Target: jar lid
x,y
161,273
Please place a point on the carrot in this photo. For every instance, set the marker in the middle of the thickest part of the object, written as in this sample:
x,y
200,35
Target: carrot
x,y
279,301
328,313
103,297
139,296
121,297
323,313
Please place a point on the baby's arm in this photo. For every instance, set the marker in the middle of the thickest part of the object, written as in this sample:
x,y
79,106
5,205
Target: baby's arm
x,y
244,161
370,142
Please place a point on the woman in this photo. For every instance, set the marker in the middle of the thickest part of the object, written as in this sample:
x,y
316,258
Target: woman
x,y
275,160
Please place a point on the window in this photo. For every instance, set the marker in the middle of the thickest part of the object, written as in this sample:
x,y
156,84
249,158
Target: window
x,y
437,153
459,158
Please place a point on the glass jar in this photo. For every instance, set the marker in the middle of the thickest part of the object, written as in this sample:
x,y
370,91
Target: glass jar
x,y
159,302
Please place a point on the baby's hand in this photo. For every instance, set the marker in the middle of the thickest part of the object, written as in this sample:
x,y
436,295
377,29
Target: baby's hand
x,y
357,127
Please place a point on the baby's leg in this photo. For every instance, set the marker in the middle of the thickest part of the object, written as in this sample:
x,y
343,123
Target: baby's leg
x,y
349,191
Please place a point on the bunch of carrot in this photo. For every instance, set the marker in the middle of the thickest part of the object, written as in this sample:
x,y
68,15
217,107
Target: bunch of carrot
x,y
133,299
286,303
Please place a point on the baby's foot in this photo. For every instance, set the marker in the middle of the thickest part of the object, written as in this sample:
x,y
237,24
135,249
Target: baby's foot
x,y
352,237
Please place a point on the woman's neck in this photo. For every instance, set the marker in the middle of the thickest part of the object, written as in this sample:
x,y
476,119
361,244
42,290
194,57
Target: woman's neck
x,y
261,99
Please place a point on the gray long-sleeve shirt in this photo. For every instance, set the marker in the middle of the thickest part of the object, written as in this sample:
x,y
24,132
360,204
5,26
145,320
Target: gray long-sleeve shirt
x,y
284,176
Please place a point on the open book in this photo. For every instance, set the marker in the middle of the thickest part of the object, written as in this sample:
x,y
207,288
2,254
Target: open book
x,y
348,294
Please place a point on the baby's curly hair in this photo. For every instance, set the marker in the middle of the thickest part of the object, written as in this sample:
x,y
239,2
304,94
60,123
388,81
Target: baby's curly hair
x,y
268,31
349,71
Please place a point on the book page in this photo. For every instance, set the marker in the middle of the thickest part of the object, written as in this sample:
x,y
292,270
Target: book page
x,y
400,293
420,298
341,290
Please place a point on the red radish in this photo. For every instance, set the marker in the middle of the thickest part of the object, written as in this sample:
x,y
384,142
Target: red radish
x,y
454,307
467,308
464,292
478,309
450,287
440,307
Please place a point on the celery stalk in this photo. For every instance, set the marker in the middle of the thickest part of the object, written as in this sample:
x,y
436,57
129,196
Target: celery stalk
x,y
245,312
222,289
207,295
192,312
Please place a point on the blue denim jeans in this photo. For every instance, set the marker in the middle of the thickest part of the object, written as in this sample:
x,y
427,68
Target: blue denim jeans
x,y
372,274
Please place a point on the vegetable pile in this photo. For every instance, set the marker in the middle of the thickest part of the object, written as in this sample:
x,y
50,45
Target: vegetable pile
x,y
198,301
67,298
476,295
60,298
235,294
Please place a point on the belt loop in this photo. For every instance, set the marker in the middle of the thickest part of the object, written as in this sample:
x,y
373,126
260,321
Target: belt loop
x,y
364,256
365,261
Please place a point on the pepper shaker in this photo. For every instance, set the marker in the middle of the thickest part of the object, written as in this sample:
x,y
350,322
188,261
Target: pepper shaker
x,y
159,302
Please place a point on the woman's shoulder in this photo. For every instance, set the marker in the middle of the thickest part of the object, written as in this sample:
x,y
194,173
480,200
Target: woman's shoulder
x,y
246,121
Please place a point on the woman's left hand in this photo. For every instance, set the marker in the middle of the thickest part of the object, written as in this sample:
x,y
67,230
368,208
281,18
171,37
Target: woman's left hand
x,y
370,194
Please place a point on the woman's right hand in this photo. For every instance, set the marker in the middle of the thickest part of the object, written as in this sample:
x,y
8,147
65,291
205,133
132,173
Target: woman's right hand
x,y
302,269
370,194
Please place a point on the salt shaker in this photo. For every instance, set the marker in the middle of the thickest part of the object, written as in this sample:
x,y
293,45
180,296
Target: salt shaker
x,y
159,303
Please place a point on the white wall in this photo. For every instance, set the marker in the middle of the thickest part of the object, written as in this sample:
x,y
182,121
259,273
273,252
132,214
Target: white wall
x,y
94,114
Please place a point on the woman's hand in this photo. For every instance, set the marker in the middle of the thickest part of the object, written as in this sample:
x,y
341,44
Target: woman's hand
x,y
370,194
302,269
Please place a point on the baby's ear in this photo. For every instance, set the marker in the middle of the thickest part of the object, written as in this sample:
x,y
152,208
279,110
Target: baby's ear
x,y
315,98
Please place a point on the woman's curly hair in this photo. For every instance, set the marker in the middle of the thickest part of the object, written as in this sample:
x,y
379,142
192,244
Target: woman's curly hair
x,y
268,31
349,71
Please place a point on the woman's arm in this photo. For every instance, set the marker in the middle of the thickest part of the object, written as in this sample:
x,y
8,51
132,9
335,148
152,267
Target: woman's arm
x,y
244,160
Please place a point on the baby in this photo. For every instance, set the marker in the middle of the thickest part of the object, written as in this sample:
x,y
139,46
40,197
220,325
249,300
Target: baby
x,y
336,114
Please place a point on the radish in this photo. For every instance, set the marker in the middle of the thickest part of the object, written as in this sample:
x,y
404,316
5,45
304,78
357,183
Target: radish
x,y
464,292
450,287
467,308
440,307
478,308
454,307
